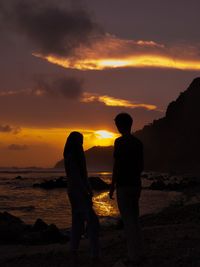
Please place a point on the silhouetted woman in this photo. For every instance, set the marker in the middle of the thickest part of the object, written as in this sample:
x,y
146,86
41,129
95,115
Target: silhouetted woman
x,y
80,196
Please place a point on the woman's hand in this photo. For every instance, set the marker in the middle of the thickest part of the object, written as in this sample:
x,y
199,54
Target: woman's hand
x,y
112,190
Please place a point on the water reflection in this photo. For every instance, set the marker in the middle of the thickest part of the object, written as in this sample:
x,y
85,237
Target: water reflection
x,y
104,206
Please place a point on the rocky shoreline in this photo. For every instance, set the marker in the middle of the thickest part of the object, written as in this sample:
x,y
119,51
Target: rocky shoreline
x,y
171,238
14,231
97,184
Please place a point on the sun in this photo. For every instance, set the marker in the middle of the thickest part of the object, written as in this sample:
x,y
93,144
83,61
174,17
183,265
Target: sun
x,y
103,134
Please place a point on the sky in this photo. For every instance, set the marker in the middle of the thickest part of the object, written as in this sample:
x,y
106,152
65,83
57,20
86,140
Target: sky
x,y
74,65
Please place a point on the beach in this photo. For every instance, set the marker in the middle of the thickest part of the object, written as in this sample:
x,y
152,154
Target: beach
x,y
171,238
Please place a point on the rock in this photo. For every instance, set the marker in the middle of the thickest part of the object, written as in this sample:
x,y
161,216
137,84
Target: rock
x,y
39,225
98,184
158,185
14,231
12,228
56,183
18,177
184,184
174,186
53,235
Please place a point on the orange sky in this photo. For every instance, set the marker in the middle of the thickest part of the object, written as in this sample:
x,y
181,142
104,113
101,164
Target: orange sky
x,y
43,147
95,61
111,52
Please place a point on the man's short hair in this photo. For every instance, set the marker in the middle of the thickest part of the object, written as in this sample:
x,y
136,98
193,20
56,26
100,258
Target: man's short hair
x,y
124,119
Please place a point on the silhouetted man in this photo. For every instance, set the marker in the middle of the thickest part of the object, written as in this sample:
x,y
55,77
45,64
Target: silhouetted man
x,y
128,165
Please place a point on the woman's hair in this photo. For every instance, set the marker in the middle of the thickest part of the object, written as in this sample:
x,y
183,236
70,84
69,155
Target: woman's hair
x,y
74,143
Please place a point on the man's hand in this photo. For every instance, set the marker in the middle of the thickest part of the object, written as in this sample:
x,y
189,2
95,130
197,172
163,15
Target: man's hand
x,y
112,190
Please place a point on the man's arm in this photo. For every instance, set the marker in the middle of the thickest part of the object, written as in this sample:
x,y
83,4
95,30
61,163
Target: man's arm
x,y
114,174
113,183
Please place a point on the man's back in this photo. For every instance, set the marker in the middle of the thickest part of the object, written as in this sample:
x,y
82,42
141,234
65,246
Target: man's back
x,y
128,165
128,156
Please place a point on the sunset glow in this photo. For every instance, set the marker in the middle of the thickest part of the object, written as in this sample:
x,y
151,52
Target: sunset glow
x,y
45,146
112,52
74,65
140,61
114,102
104,134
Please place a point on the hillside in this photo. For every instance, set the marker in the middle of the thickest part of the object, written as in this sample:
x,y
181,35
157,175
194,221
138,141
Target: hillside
x,y
98,159
170,144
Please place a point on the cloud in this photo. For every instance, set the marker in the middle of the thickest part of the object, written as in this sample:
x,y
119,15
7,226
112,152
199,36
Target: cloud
x,y
9,129
115,102
71,38
5,128
72,88
15,92
112,52
17,147
68,87
53,27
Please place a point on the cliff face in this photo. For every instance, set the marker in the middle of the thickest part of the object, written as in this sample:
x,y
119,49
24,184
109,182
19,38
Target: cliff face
x,y
172,142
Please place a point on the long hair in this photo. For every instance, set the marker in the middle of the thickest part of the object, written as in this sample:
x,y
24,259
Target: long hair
x,y
74,144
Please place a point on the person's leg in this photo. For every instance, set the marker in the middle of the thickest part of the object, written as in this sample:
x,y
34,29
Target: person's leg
x,y
76,230
93,232
128,203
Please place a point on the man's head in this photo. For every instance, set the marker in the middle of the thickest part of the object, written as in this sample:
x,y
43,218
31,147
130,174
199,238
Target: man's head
x,y
124,123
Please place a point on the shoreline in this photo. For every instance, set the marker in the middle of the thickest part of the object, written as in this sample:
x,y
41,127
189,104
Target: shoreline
x,y
171,238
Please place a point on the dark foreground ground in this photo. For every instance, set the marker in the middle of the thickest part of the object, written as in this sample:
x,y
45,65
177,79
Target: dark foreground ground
x,y
171,239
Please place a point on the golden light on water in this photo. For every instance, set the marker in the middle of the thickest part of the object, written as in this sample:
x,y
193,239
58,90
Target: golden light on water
x,y
104,206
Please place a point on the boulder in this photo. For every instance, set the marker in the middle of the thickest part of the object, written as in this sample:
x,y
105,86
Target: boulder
x,y
157,185
12,228
98,184
39,225
14,231
18,177
51,184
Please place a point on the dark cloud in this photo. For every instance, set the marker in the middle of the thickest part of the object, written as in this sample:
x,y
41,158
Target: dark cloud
x,y
9,129
55,29
5,128
17,147
68,87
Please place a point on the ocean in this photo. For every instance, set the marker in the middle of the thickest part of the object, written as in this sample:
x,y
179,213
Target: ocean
x,y
20,198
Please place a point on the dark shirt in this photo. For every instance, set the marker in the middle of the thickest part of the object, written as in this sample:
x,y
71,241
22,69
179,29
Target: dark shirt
x,y
128,161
